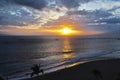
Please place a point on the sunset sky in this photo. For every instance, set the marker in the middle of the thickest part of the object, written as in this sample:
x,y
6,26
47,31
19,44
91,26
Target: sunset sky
x,y
43,17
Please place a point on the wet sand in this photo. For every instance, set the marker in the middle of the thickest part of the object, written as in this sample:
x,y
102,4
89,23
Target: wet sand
x,y
94,70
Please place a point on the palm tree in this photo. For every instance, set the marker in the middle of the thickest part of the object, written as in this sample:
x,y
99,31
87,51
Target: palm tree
x,y
36,69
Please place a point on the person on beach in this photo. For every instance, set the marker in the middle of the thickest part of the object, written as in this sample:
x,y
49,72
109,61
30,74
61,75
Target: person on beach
x,y
1,78
118,76
36,70
97,74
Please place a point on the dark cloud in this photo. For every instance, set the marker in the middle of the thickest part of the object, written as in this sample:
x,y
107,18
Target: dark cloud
x,y
92,15
101,13
80,12
16,16
114,8
37,4
70,3
110,21
73,3
4,20
104,27
2,3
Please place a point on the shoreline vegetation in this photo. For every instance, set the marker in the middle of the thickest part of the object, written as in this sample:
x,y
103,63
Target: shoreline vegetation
x,y
94,70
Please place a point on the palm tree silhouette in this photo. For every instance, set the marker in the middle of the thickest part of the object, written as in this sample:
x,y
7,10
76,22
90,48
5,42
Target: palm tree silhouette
x,y
36,69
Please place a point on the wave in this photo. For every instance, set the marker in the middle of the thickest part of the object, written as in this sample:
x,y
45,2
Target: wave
x,y
81,58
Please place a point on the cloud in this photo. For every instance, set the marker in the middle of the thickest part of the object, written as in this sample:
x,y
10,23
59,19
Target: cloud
x,y
111,6
16,15
90,16
28,12
37,4
73,3
78,12
41,13
70,3
110,21
43,17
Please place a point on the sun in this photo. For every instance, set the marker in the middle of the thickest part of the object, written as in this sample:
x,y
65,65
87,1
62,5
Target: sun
x,y
66,31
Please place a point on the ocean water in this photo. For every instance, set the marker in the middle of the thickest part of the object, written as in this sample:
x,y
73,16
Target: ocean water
x,y
19,53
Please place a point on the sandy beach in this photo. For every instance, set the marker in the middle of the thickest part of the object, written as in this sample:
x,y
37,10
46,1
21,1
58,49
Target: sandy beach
x,y
94,70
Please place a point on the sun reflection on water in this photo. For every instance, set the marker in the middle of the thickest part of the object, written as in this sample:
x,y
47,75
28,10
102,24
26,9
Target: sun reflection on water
x,y
67,50
67,56
66,46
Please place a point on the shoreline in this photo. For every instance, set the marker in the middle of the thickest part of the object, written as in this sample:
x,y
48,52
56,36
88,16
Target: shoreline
x,y
25,76
47,71
74,62
109,70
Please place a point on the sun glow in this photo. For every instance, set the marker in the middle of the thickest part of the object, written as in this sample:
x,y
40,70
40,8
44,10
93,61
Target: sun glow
x,y
66,31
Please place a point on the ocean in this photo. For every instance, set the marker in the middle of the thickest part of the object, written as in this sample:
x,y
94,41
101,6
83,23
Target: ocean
x,y
19,53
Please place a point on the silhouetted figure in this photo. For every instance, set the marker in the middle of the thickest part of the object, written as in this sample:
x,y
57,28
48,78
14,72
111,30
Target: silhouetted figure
x,y
118,76
42,71
97,74
117,79
36,70
1,78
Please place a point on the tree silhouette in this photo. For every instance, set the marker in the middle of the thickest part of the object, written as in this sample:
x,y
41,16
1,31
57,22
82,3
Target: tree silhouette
x,y
36,69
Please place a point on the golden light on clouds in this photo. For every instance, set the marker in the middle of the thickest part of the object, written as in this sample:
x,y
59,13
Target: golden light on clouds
x,y
67,29
61,29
